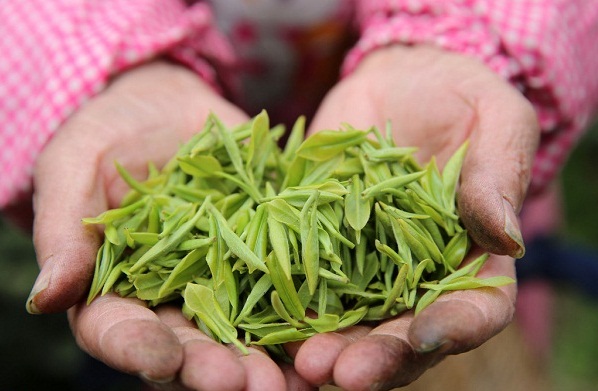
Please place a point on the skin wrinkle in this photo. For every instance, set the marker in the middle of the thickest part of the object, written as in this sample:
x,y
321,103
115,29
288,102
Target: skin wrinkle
x,y
195,344
201,355
462,330
88,184
495,308
465,122
259,374
158,353
395,326
293,381
334,342
387,346
105,310
62,290
387,353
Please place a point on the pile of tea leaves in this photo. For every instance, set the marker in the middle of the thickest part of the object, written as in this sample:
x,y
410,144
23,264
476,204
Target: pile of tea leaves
x,y
265,245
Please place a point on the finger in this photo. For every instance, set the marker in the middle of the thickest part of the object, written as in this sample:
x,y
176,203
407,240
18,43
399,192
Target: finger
x,y
383,359
207,364
462,320
65,192
317,356
127,336
497,170
263,374
293,380
260,372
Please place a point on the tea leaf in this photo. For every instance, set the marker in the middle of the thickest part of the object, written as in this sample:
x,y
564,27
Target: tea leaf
x,y
295,139
285,288
259,290
357,207
280,244
450,174
326,144
284,336
235,244
203,166
201,301
169,242
397,288
324,323
310,248
393,183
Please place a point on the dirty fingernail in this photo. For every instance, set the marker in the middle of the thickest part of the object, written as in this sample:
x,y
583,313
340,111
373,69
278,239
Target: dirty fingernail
x,y
432,346
512,229
152,380
41,283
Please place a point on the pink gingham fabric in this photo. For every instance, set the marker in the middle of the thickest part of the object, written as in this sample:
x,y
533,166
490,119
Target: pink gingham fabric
x,y
55,55
547,48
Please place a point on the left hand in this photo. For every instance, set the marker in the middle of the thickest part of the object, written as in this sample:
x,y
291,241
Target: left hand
x,y
435,100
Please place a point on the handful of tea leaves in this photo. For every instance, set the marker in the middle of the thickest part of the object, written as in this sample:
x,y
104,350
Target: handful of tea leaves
x,y
272,245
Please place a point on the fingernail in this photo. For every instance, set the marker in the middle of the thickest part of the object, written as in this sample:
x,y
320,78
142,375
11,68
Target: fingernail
x,y
150,379
376,386
512,229
41,283
432,346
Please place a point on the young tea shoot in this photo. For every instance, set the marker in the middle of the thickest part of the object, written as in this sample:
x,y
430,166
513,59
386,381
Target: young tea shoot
x,y
264,245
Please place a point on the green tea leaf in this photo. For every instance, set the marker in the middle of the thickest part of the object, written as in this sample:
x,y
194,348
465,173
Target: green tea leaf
x,y
323,323
201,301
280,244
259,290
235,244
290,334
285,288
357,207
450,174
203,166
326,144
310,249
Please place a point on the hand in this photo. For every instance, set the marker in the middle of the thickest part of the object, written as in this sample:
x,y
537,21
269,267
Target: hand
x,y
145,114
435,100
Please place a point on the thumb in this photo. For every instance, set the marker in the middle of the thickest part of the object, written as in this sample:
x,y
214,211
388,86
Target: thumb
x,y
496,172
66,190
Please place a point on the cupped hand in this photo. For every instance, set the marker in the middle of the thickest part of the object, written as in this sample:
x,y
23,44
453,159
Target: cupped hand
x,y
435,100
143,115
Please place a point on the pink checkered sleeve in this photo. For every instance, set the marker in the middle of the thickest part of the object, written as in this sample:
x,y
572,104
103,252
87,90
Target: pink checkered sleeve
x,y
54,55
547,48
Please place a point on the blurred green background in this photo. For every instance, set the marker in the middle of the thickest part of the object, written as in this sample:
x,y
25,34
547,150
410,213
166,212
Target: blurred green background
x,y
38,352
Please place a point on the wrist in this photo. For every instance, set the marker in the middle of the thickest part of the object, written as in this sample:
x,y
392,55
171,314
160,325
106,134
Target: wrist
x,y
401,57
